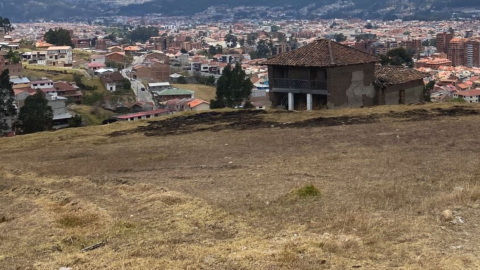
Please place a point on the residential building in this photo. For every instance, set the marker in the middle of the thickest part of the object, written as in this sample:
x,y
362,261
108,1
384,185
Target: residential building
x,y
456,51
61,116
472,53
81,43
172,93
20,82
398,85
70,91
142,115
470,96
61,56
115,57
326,74
112,80
15,70
159,86
443,42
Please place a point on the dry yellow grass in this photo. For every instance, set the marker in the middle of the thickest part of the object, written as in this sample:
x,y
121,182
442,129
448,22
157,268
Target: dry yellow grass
x,y
204,92
222,200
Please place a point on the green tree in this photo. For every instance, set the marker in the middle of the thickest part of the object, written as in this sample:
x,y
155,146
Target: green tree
x,y
252,39
75,121
275,28
427,89
263,49
233,88
182,80
340,37
369,26
426,43
7,99
5,24
126,84
397,57
241,42
59,37
14,56
231,40
35,115
142,34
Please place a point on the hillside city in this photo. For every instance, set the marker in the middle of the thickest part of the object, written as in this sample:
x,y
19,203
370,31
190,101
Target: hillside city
x,y
244,135
138,68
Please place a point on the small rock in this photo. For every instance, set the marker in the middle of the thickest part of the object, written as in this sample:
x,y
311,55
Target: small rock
x,y
447,215
476,206
65,268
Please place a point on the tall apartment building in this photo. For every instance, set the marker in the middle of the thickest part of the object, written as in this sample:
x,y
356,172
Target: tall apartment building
x,y
456,51
443,42
413,45
472,53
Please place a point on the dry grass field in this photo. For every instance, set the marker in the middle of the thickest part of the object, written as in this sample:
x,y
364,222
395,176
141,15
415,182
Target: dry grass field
x,y
343,189
204,92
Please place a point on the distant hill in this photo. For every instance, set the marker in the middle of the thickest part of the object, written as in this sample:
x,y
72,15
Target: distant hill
x,y
25,10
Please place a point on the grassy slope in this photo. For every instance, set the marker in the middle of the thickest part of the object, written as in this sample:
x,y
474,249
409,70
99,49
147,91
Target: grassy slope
x,y
88,113
221,200
201,91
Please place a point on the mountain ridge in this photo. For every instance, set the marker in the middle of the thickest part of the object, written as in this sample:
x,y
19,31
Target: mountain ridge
x,y
25,10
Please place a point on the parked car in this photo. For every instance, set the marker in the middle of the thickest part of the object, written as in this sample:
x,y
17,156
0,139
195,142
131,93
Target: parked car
x,y
143,89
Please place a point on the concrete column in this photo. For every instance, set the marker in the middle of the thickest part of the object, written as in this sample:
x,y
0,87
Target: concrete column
x,y
309,102
290,102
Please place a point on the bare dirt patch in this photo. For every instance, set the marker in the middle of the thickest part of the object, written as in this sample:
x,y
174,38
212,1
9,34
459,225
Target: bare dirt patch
x,y
254,119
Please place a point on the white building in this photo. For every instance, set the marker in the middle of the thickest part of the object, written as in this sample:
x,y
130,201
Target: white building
x,y
61,56
470,96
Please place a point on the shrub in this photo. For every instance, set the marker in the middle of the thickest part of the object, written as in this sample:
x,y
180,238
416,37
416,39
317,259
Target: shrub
x,y
307,191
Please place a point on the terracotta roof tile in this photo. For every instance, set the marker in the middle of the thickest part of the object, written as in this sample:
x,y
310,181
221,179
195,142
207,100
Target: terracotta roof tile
x,y
322,53
389,75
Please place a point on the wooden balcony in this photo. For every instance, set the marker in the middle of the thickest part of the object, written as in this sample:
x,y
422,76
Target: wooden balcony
x,y
299,86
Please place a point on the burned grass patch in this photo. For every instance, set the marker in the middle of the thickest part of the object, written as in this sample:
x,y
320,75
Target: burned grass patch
x,y
255,119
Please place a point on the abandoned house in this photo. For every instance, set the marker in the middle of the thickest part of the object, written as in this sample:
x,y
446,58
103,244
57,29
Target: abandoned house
x,y
398,85
326,74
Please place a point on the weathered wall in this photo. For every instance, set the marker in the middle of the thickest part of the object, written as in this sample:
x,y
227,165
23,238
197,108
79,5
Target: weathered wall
x,y
351,86
413,93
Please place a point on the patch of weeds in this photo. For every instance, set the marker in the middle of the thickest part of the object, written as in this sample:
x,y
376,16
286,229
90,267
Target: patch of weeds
x,y
74,220
307,191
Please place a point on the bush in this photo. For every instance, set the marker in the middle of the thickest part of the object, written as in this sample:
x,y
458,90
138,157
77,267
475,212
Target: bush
x,y
75,121
182,80
307,191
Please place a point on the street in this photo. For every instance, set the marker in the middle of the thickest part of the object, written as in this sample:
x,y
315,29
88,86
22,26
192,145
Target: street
x,y
143,96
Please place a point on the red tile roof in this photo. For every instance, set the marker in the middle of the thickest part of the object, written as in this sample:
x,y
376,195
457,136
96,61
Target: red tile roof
x,y
389,75
322,53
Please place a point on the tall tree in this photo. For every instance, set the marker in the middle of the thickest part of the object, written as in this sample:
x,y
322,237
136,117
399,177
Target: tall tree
x,y
233,88
263,49
397,57
7,99
231,40
59,37
5,24
36,115
340,37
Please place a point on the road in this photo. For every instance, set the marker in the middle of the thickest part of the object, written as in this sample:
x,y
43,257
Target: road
x,y
143,96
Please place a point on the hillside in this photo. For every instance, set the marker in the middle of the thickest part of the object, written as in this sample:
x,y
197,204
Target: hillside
x,y
22,10
226,190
